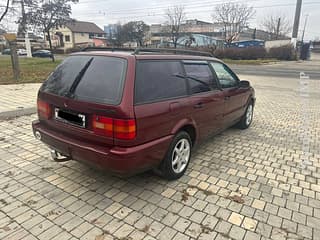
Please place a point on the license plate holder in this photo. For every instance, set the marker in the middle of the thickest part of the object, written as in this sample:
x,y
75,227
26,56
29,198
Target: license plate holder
x,y
72,118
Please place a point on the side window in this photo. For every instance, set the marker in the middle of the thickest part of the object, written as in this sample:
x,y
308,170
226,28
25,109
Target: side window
x,y
225,76
200,77
157,80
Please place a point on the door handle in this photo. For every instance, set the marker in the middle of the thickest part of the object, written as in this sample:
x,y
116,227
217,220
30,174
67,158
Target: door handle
x,y
198,105
227,98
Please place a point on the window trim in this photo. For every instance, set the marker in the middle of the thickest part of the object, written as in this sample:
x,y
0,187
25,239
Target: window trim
x,y
162,99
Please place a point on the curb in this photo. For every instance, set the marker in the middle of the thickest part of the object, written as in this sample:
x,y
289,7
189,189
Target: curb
x,y
17,113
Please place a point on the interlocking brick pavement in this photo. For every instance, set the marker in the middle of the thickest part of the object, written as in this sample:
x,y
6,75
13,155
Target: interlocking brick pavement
x,y
251,184
17,96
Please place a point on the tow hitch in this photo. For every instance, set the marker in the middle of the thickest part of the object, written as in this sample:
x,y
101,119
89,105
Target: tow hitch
x,y
58,157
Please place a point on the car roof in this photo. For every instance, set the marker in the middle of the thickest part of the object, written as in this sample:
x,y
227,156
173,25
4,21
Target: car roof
x,y
147,56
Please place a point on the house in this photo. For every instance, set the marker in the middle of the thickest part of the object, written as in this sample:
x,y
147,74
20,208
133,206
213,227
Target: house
x,y
77,34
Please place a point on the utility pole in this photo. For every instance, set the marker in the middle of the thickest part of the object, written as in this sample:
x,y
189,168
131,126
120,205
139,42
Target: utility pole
x,y
22,30
254,34
304,28
278,28
296,23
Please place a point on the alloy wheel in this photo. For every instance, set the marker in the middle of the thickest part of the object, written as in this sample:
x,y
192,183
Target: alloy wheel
x,y
249,114
181,155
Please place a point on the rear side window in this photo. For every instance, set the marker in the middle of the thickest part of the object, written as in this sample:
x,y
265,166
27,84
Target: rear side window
x,y
88,78
157,80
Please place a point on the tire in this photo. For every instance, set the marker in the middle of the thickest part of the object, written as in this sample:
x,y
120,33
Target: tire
x,y
177,159
247,118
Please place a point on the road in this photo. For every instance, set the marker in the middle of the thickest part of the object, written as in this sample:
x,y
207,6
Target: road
x,y
282,69
291,70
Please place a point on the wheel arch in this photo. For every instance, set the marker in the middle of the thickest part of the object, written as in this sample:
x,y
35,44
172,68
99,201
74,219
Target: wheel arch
x,y
188,126
251,98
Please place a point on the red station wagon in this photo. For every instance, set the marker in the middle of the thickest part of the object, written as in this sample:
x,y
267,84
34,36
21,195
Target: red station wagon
x,y
129,112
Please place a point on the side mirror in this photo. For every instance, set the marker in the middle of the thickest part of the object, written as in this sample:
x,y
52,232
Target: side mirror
x,y
244,84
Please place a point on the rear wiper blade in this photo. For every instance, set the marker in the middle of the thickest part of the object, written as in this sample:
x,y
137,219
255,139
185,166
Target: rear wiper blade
x,y
78,78
193,78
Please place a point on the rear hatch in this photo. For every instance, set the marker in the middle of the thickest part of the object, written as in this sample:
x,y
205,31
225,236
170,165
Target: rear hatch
x,y
81,98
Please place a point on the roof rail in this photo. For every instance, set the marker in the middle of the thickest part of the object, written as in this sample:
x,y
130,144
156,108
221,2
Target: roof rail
x,y
112,49
137,51
173,51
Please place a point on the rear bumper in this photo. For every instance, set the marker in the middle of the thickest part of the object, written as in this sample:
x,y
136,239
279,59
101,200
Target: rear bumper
x,y
119,160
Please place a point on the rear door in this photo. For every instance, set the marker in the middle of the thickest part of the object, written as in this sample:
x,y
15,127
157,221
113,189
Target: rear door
x,y
161,98
81,88
234,97
206,100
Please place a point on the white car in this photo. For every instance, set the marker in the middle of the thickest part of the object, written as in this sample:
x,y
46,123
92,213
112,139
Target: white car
x,y
22,52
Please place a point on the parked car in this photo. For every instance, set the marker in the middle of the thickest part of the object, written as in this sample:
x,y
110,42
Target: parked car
x,y
42,54
6,51
22,52
128,113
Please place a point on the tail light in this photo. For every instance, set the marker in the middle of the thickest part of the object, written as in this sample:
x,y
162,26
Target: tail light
x,y
44,110
103,126
123,129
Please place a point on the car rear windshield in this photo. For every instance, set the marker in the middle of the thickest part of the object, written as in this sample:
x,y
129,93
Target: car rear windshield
x,y
88,78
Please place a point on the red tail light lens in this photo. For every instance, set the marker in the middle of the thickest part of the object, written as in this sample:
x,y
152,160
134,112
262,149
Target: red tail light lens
x,y
44,110
117,128
124,129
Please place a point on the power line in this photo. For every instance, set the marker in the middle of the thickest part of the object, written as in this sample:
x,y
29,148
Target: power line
x,y
157,6
158,14
207,10
154,6
164,7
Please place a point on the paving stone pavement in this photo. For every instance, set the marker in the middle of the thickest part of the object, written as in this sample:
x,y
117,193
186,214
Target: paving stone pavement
x,y
260,183
17,97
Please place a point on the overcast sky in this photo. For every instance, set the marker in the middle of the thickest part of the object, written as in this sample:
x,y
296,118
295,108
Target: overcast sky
x,y
104,12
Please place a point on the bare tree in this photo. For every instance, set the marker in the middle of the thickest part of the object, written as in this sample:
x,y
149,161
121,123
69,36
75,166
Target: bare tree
x,y
5,11
175,17
277,25
233,16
